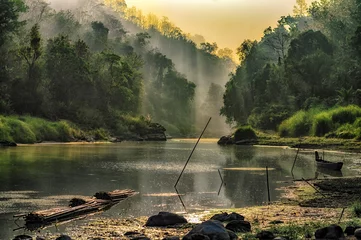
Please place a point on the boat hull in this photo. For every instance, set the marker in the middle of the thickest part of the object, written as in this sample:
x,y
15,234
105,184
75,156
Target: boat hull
x,y
330,165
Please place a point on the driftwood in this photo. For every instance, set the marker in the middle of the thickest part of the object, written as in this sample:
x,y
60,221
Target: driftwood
x,y
78,208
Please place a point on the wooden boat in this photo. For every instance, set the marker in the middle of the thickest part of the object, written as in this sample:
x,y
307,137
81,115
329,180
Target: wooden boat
x,y
321,163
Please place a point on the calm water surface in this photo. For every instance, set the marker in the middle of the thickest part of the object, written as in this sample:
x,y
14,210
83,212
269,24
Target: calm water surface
x,y
45,176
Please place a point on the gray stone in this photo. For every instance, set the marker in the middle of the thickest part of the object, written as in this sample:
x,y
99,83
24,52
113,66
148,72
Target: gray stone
x,y
225,217
172,238
164,219
63,237
198,236
350,230
239,226
23,237
212,229
357,233
330,232
265,235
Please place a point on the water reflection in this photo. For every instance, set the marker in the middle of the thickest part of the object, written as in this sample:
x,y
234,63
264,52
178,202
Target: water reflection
x,y
41,177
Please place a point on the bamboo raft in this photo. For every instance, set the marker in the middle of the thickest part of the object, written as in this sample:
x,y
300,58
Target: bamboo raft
x,y
77,208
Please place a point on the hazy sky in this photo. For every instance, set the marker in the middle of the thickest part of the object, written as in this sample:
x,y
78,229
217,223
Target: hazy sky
x,y
227,22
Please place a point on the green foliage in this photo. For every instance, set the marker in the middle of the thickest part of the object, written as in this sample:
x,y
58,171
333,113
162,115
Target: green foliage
x,y
297,125
245,133
340,122
322,124
346,114
356,209
20,131
10,10
268,118
31,130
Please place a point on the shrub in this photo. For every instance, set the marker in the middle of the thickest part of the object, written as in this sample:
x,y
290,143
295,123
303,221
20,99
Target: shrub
x,y
44,130
296,126
356,209
348,114
268,118
67,132
100,134
20,131
322,124
4,131
245,133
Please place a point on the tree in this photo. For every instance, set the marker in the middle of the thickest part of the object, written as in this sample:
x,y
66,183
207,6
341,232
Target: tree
x,y
10,10
300,9
244,50
29,101
69,77
100,36
210,48
278,40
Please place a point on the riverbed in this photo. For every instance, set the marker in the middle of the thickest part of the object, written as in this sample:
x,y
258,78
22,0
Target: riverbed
x,y
43,176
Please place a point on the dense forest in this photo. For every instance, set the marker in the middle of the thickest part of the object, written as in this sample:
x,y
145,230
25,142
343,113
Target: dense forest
x,y
105,66
304,76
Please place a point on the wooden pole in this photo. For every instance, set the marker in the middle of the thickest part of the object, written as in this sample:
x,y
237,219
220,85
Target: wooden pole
x,y
189,158
294,162
269,196
339,220
313,187
220,175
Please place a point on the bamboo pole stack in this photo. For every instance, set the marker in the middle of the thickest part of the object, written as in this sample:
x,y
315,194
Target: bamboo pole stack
x,y
101,201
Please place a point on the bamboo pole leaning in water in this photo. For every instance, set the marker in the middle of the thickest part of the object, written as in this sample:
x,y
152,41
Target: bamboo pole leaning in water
x,y
269,195
294,162
189,158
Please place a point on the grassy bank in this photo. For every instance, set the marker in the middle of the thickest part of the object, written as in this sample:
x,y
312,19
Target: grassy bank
x,y
31,130
27,130
339,122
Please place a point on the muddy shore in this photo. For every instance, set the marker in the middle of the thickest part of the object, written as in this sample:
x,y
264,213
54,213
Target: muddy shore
x,y
300,212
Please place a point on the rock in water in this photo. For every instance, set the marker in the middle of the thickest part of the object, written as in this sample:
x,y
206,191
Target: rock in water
x,y
212,229
225,140
164,219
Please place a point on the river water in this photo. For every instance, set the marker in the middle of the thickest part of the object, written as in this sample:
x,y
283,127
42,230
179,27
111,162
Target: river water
x,y
48,175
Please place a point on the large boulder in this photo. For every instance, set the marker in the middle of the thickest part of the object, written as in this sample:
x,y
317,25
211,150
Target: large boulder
x,y
330,232
350,230
239,226
212,229
164,219
225,217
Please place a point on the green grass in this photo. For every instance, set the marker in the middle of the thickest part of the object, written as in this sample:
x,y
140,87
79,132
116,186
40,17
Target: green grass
x,y
339,122
297,125
27,130
356,209
245,133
